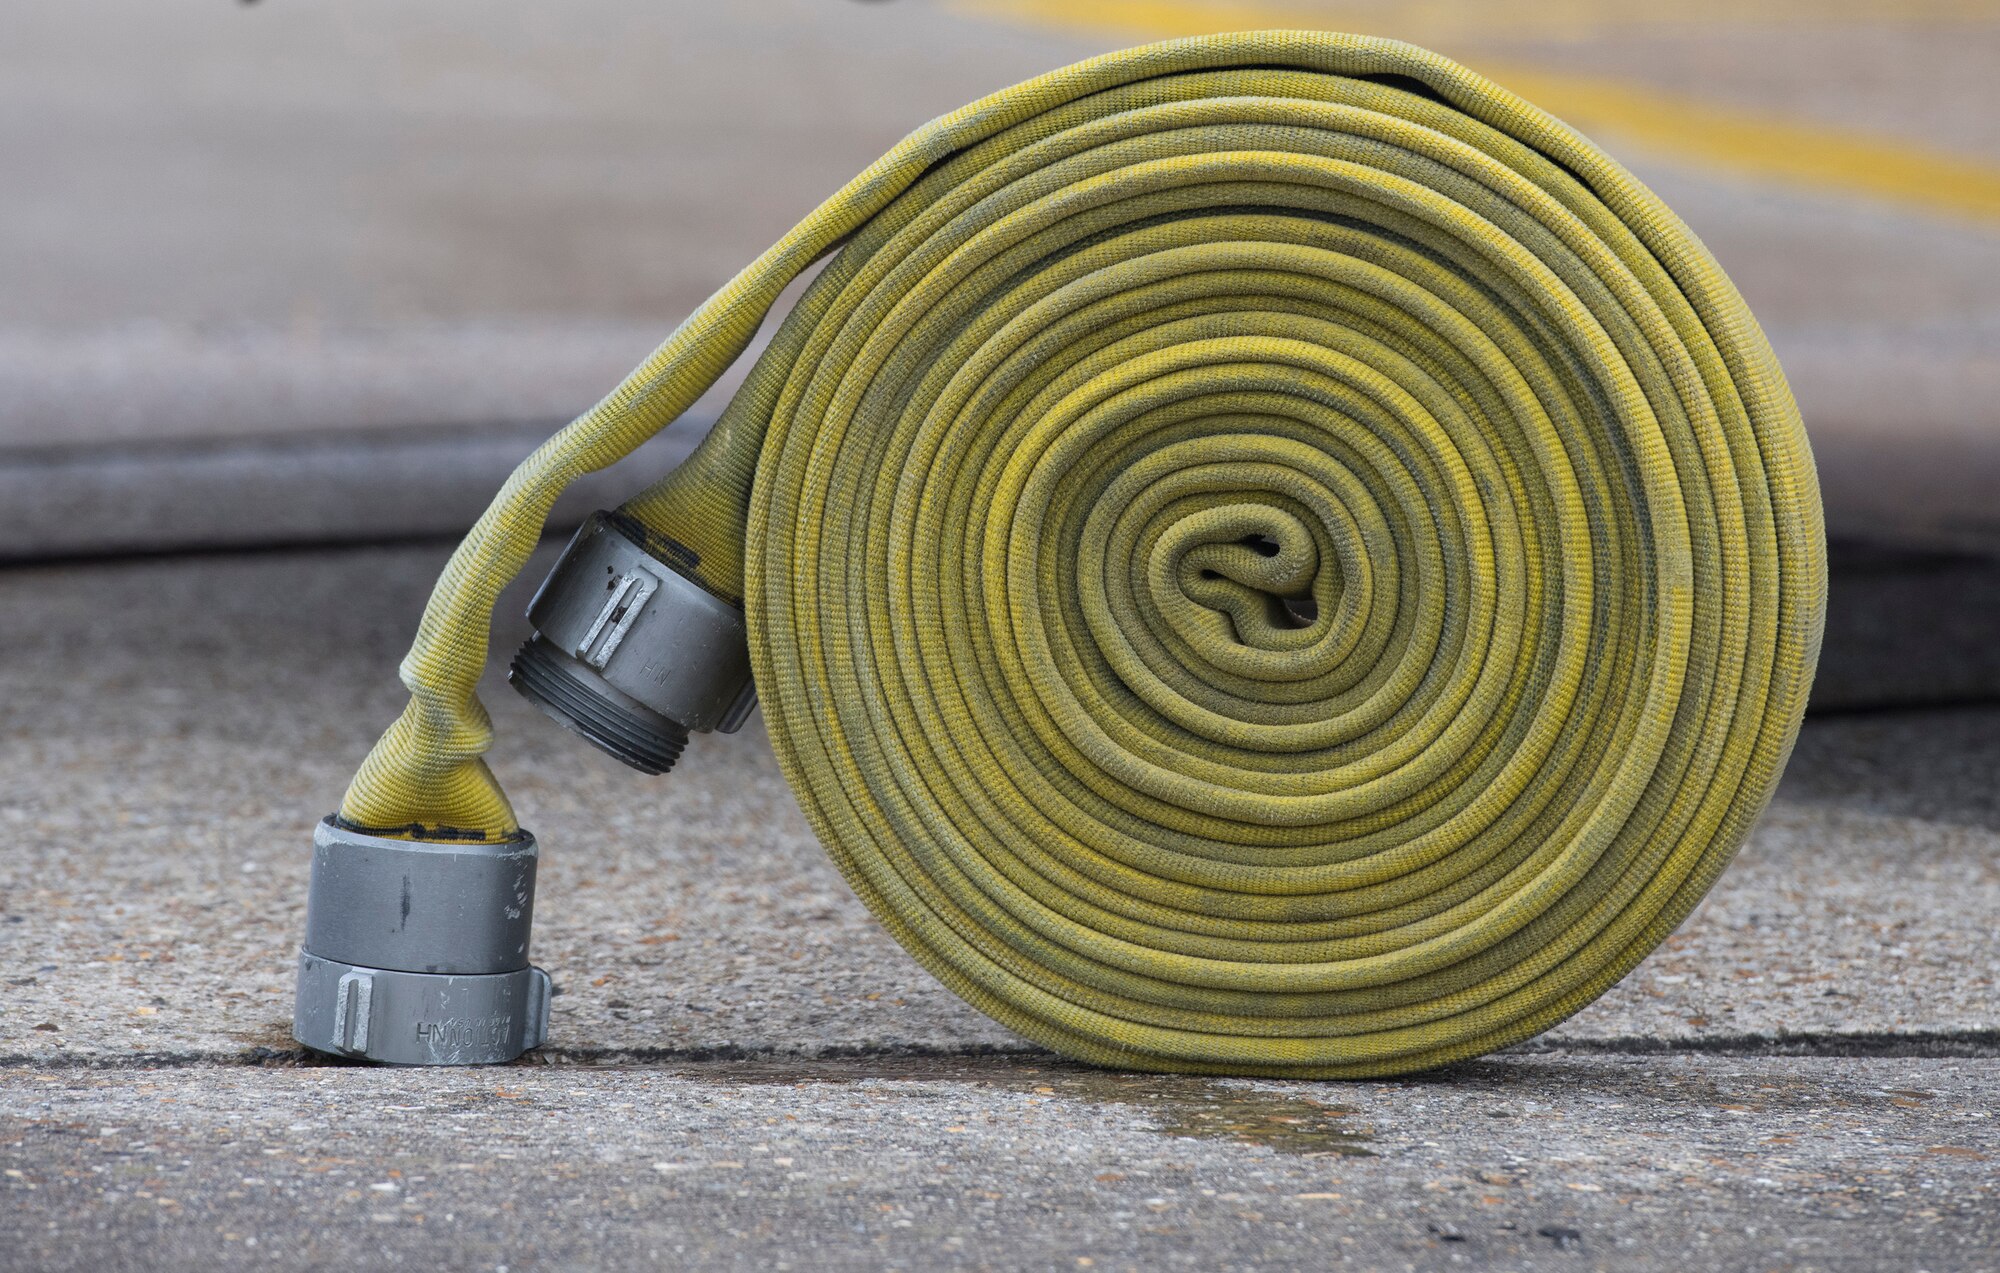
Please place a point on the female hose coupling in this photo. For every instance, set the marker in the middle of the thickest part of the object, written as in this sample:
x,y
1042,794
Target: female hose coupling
x,y
631,653
416,952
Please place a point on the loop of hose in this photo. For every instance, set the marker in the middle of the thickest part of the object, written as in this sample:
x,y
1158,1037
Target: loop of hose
x,y
1264,554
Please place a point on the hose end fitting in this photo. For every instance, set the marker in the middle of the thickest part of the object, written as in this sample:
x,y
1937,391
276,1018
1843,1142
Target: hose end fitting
x,y
631,653
416,952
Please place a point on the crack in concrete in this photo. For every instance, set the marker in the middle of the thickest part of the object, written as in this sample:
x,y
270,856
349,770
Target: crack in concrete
x,y
1920,1044
1915,1044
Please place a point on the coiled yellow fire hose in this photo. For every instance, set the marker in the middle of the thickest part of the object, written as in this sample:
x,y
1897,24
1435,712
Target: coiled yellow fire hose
x,y
1263,554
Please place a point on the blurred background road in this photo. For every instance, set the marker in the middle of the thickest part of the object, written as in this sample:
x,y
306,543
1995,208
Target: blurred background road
x,y
254,254
287,288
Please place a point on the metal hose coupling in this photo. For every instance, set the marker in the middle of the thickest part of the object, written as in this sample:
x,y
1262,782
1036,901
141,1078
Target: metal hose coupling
x,y
416,952
631,653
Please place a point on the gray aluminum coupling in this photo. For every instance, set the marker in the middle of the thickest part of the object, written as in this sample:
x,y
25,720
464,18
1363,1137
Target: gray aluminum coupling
x,y
416,952
631,653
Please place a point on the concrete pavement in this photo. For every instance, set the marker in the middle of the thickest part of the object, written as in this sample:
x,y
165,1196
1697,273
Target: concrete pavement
x,y
168,731
1527,1162
1801,1078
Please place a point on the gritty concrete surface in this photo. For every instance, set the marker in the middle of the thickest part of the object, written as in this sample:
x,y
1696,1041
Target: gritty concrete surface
x,y
1545,1162
746,1072
169,729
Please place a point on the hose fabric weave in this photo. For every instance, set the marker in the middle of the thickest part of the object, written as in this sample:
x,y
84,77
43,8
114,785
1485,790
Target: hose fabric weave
x,y
1264,554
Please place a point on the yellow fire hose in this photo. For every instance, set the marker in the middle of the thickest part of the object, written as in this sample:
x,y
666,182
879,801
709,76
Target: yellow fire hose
x,y
1262,554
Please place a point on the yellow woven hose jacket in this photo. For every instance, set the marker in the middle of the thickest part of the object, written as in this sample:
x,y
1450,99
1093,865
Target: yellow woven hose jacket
x,y
1264,554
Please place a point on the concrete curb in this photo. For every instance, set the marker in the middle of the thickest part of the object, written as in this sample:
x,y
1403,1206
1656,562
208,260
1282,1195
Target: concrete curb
x,y
361,486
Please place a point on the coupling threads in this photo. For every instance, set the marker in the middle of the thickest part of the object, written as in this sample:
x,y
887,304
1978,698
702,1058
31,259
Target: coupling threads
x,y
631,653
617,724
416,952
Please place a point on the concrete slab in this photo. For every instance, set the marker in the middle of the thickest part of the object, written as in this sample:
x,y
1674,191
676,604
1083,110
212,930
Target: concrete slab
x,y
169,730
1658,1163
365,486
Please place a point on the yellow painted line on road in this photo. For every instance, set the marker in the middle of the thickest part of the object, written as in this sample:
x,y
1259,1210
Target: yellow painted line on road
x,y
1767,147
1513,19
1673,127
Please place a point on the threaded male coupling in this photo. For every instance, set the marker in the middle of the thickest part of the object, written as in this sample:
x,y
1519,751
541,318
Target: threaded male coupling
x,y
416,952
631,653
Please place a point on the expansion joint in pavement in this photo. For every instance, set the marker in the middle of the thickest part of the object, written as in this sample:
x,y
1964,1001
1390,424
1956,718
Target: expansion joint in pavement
x,y
1915,1044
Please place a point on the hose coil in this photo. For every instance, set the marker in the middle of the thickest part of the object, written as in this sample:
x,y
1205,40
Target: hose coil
x,y
1263,554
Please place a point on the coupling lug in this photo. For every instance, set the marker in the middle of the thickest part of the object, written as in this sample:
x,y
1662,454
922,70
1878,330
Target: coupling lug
x,y
416,952
630,652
